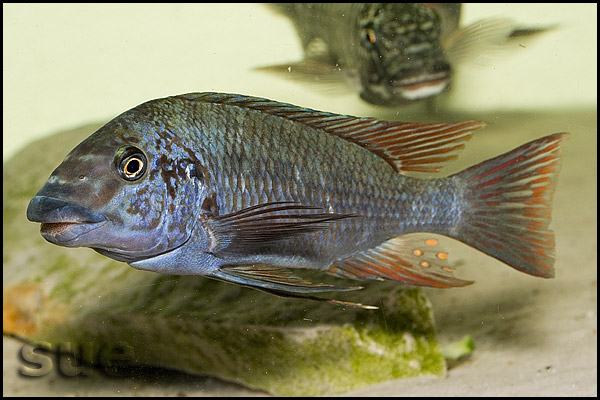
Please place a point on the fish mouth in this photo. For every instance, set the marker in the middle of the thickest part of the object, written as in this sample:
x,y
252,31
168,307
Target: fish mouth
x,y
62,222
423,86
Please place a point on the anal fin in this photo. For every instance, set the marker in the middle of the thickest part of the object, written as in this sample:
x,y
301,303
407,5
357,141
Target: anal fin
x,y
413,259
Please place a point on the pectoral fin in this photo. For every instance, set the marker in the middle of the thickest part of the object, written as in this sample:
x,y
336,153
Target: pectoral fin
x,y
325,77
268,223
486,36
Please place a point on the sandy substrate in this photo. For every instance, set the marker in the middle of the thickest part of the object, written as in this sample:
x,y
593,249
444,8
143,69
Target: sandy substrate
x,y
533,337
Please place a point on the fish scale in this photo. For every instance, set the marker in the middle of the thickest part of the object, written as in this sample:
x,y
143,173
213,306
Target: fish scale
x,y
353,189
344,200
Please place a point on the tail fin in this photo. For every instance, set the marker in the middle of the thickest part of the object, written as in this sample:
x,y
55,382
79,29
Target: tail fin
x,y
509,204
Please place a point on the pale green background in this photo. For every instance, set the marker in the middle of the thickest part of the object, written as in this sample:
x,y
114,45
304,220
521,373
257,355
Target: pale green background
x,y
67,65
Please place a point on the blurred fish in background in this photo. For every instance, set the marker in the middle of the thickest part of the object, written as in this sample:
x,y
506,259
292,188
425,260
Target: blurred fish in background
x,y
392,54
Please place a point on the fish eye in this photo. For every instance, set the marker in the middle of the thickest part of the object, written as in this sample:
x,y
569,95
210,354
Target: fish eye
x,y
369,35
131,163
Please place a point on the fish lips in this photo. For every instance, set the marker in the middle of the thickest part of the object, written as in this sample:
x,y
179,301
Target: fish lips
x,y
406,90
63,222
423,86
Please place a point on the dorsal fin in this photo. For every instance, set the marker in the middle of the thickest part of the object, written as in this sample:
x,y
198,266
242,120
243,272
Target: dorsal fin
x,y
407,147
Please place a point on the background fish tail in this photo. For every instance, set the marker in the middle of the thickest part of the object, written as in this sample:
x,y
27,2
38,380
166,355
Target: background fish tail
x,y
508,205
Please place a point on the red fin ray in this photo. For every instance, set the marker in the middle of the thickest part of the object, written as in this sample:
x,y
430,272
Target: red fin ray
x,y
410,147
414,259
509,200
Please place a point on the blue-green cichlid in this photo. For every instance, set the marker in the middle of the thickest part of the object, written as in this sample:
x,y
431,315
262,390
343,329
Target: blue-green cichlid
x,y
391,54
248,190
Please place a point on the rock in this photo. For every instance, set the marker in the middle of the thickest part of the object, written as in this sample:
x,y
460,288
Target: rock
x,y
112,315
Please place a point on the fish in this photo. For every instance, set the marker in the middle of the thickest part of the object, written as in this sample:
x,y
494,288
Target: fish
x,y
253,192
391,54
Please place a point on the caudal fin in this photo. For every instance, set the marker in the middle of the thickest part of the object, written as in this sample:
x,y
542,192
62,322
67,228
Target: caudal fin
x,y
509,205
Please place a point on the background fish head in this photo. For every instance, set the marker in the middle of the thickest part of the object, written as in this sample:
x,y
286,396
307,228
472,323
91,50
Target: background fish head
x,y
123,192
400,54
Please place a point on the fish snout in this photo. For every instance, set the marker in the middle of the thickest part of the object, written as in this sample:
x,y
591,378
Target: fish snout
x,y
62,222
51,210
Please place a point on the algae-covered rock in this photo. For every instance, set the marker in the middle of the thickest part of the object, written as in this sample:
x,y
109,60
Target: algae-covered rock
x,y
106,311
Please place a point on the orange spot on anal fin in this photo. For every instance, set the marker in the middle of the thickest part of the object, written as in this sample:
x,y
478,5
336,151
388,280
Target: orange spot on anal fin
x,y
403,259
431,242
